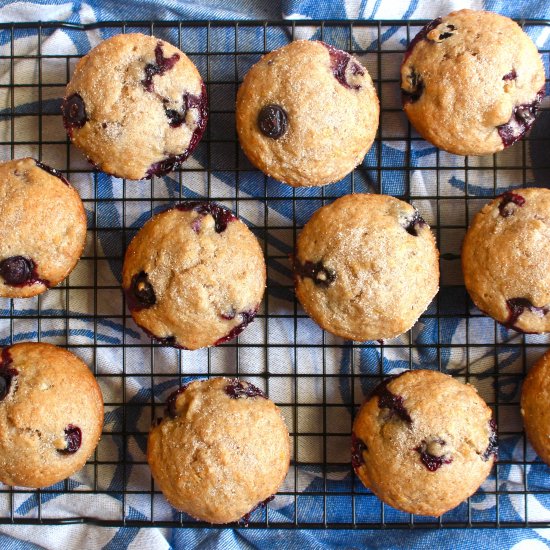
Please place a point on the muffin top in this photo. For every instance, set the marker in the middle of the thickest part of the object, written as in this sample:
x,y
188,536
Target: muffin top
x,y
221,450
51,414
194,275
505,259
423,442
366,267
472,82
136,106
42,228
307,113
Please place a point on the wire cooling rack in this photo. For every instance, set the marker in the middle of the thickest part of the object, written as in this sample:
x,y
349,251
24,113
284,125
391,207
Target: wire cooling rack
x,y
318,380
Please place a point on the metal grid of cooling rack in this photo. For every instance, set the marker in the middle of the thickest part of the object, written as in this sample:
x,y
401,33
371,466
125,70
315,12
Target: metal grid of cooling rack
x,y
87,313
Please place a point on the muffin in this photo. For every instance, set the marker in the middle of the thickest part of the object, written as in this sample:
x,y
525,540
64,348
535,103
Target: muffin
x,y
506,260
221,450
534,407
194,275
472,82
42,228
51,414
366,267
136,106
423,442
307,113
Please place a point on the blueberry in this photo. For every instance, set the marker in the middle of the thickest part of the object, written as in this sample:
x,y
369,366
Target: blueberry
x,y
492,447
17,270
236,389
52,171
358,447
414,224
7,373
415,88
161,65
74,111
340,63
516,306
388,400
432,462
272,121
510,76
222,215
142,290
507,199
523,117
246,318
73,437
177,118
322,276
422,34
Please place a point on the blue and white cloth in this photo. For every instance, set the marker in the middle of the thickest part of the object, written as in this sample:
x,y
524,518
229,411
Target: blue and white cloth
x,y
125,374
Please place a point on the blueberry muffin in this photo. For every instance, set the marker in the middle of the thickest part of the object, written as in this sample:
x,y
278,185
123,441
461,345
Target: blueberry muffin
x,y
506,260
136,106
194,275
423,442
307,113
535,397
42,228
51,414
366,267
221,450
472,82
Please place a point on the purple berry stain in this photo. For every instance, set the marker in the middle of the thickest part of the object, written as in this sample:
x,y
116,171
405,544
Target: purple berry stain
x,y
73,437
190,101
171,409
509,198
237,389
273,121
492,447
246,318
316,271
141,294
516,306
358,447
7,373
19,271
421,35
523,117
53,172
415,88
74,112
161,65
388,400
222,216
172,162
432,462
245,520
414,224
342,62
512,75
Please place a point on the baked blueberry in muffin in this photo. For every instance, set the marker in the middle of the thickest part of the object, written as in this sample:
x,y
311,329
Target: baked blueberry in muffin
x,y
194,275
221,450
472,82
136,106
423,442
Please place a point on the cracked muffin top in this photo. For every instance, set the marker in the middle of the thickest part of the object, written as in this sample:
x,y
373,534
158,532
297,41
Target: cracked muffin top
x,y
472,82
136,106
366,267
307,113
221,450
506,260
423,442
51,414
194,275
42,228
